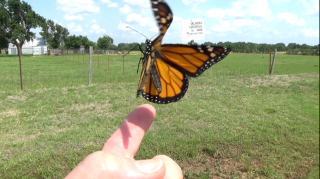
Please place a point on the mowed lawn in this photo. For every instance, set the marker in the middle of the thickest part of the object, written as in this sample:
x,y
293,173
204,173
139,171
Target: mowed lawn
x,y
235,121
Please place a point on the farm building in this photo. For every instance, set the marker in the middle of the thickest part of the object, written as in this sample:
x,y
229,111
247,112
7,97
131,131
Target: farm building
x,y
36,47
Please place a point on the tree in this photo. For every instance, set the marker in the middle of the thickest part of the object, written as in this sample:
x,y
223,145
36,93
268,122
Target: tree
x,y
3,43
104,42
280,47
123,46
73,42
54,34
16,20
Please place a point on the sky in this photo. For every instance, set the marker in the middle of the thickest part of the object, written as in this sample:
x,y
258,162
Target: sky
x,y
257,21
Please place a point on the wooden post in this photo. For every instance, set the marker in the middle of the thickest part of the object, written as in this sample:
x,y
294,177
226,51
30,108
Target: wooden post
x,y
108,61
123,63
273,61
270,63
90,64
78,55
83,57
19,53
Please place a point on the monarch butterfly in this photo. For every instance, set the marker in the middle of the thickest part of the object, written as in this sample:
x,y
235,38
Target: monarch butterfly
x,y
164,67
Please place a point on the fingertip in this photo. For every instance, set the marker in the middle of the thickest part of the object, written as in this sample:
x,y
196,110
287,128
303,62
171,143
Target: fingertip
x,y
150,108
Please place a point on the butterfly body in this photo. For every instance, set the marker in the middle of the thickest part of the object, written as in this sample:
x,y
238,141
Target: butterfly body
x,y
164,67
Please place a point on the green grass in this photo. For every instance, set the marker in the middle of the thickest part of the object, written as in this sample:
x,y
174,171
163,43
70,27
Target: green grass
x,y
235,120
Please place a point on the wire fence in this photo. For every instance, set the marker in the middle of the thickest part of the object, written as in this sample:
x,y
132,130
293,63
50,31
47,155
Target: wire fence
x,y
70,68
67,68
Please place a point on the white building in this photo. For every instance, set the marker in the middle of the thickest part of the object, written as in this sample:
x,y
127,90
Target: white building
x,y
36,47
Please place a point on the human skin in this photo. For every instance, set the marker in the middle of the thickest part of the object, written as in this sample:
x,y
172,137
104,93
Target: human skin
x,y
116,159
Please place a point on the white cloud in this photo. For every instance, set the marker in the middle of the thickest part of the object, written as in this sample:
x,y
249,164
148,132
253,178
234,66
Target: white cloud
x,y
125,9
290,18
110,3
154,29
258,8
187,2
194,9
96,28
72,17
245,22
206,32
78,6
143,21
242,8
312,7
141,3
74,28
93,20
270,30
309,32
76,9
223,13
279,1
223,27
123,26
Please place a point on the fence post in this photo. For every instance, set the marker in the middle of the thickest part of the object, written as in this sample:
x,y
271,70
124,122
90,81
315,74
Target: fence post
x,y
78,55
20,67
273,61
90,65
82,56
123,63
270,63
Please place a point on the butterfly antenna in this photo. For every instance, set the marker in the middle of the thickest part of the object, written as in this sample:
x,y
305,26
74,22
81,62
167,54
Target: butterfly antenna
x,y
155,35
136,31
131,49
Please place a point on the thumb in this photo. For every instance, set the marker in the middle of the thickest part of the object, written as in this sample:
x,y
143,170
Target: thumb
x,y
153,168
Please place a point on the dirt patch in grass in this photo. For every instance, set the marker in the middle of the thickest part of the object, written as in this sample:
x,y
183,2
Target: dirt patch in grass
x,y
10,112
16,98
217,168
279,80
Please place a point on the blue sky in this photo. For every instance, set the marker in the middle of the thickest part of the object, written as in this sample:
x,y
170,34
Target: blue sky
x,y
257,21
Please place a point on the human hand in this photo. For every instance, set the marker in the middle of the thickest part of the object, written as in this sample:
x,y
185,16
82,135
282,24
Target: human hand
x,y
115,160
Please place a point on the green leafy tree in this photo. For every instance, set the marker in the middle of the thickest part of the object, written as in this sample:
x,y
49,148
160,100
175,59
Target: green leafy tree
x,y
280,47
123,46
104,42
113,47
54,34
3,43
16,21
72,42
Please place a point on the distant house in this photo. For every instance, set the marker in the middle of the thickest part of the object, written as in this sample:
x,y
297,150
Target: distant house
x,y
36,47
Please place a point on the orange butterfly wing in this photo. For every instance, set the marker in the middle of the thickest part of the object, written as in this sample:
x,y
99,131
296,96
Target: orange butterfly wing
x,y
193,60
163,78
174,83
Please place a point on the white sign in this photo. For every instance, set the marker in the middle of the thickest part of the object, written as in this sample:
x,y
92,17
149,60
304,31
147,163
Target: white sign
x,y
192,30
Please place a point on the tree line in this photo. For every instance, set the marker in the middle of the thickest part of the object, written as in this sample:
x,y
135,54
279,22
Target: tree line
x,y
17,19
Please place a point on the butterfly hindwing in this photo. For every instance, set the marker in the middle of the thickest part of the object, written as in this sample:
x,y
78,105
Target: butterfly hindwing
x,y
174,83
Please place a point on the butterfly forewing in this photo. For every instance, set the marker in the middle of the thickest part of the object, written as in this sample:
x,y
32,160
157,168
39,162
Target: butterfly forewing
x,y
193,60
163,77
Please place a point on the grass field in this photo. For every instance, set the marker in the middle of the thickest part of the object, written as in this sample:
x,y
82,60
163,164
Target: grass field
x,y
235,121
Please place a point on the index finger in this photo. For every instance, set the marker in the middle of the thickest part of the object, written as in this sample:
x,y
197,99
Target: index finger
x,y
125,141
